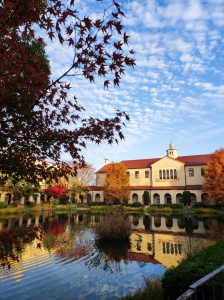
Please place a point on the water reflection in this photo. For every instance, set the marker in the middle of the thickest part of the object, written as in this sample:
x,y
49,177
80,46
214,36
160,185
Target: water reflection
x,y
12,243
64,245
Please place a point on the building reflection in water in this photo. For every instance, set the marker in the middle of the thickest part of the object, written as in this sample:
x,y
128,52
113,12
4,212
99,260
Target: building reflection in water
x,y
155,239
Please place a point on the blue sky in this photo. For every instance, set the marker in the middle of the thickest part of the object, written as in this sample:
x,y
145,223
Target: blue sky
x,y
175,92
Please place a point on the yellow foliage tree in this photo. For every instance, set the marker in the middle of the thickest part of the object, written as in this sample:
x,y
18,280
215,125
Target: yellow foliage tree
x,y
116,186
214,178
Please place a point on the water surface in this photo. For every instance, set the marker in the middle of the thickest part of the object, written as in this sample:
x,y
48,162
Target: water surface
x,y
57,257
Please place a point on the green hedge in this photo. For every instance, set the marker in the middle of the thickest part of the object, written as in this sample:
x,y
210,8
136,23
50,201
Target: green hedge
x,y
99,204
3,205
171,205
136,204
177,280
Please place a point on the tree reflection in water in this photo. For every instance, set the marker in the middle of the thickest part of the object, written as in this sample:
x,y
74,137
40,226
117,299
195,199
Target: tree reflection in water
x,y
108,255
12,243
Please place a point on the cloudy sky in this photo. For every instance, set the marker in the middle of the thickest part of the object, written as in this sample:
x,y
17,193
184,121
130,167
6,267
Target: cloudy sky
x,y
176,91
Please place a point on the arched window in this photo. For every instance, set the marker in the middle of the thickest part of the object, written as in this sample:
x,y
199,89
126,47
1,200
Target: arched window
x,y
168,198
164,174
171,174
157,221
169,222
204,197
167,174
193,198
175,174
181,222
160,174
156,199
195,223
97,198
8,198
134,197
179,198
89,197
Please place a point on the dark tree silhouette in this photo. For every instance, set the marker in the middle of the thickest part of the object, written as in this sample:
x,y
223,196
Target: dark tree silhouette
x,y
38,118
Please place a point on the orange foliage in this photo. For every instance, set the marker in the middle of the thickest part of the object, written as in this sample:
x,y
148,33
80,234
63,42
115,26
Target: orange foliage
x,y
214,178
116,187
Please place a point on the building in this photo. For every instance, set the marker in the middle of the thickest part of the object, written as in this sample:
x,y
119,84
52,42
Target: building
x,y
164,178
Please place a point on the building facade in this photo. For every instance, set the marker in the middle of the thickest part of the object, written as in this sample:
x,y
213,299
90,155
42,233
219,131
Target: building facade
x,y
164,178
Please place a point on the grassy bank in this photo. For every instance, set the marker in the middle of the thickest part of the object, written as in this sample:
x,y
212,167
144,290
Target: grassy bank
x,y
195,266
26,209
37,208
171,209
178,209
65,208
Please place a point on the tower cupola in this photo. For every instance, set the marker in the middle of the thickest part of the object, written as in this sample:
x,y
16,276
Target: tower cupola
x,y
171,152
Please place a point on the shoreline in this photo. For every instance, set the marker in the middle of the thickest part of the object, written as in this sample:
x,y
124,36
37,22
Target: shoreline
x,y
112,208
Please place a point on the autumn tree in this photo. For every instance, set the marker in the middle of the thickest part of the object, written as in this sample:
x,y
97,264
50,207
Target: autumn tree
x,y
116,186
39,118
56,191
214,178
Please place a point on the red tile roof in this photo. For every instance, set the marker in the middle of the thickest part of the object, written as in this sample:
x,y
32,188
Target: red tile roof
x,y
132,256
148,187
190,160
92,188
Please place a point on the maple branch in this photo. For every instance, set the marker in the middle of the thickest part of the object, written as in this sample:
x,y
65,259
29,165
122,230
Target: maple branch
x,y
10,17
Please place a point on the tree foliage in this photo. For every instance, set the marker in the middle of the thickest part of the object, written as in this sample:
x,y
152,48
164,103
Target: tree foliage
x,y
187,198
146,198
38,117
116,186
21,189
214,178
85,176
56,191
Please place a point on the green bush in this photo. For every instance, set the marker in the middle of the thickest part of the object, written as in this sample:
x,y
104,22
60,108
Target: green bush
x,y
3,205
177,280
136,204
99,204
64,200
113,227
171,205
199,205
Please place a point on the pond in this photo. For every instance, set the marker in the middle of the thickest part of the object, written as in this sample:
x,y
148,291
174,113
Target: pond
x,y
56,256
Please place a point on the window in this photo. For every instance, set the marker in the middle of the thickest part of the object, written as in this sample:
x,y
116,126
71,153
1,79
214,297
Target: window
x,y
128,173
149,246
164,174
171,174
160,174
202,171
146,174
167,174
136,174
175,173
171,248
191,172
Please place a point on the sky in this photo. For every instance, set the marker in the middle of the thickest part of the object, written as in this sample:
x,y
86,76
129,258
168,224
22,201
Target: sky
x,y
176,91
